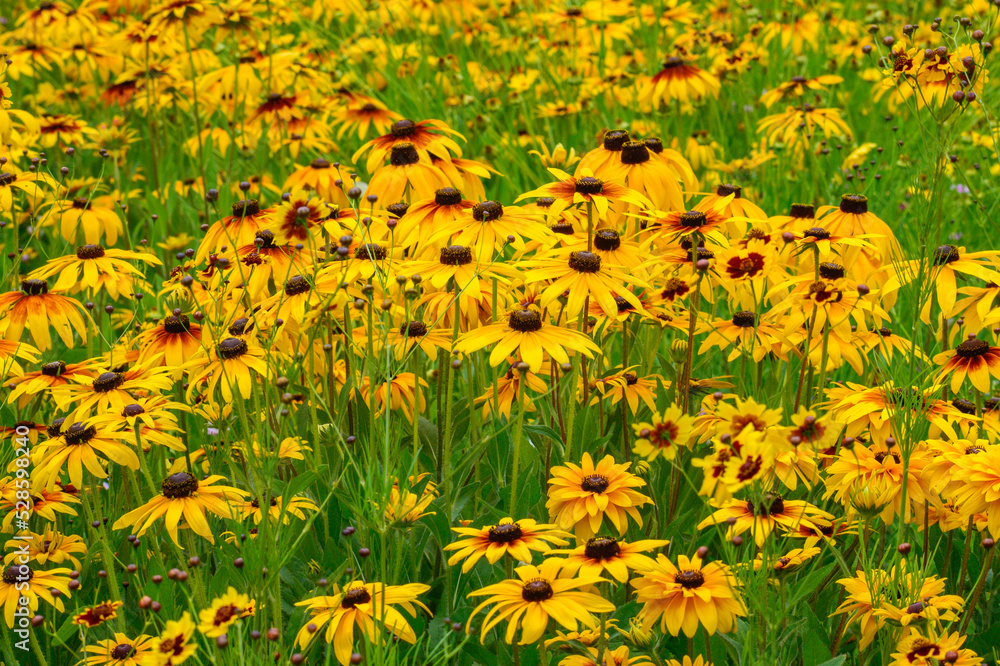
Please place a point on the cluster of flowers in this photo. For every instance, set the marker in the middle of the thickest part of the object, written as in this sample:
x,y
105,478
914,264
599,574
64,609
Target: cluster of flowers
x,y
329,314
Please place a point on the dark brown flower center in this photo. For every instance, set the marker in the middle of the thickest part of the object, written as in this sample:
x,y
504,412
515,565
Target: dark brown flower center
x,y
403,154
545,202
179,485
54,369
81,203
447,196
831,271
398,209
770,504
615,140
246,208
371,252
601,548
403,128
964,406
54,429
564,228
240,326
584,262
802,211
505,533
108,381
320,163
725,189
654,144
176,324
972,348
689,579
595,483
355,596
89,252
78,433
589,185
744,319
855,204
525,321
17,573
264,239
133,410
693,219
635,152
122,651
819,233
231,348
945,254
415,329
537,589
607,240
296,285
486,211
6,178
456,255
34,287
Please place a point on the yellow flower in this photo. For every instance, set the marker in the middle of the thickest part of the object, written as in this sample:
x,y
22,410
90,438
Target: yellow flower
x,y
582,496
536,595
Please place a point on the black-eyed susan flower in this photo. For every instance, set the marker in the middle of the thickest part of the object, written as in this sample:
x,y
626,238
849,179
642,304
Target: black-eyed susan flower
x,y
688,594
514,385
538,594
118,651
94,268
581,497
50,546
746,333
606,554
328,181
973,359
21,581
235,230
660,175
367,606
224,612
112,390
427,136
508,537
679,80
171,342
229,364
32,306
83,219
526,334
406,174
763,515
585,188
585,275
184,496
29,184
663,434
48,376
276,508
81,445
